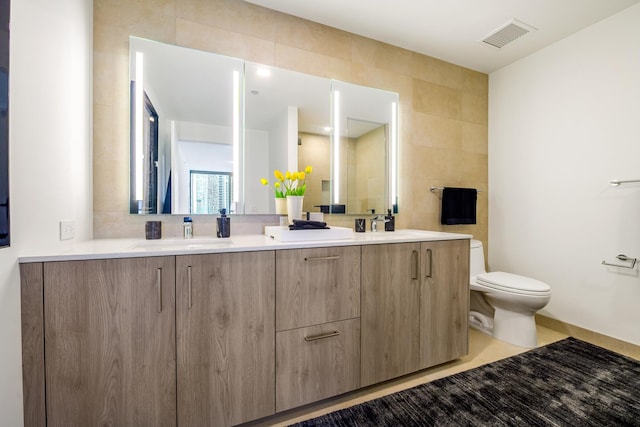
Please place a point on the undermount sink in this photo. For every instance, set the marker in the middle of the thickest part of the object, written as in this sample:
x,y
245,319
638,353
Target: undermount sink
x,y
283,234
182,244
398,235
417,233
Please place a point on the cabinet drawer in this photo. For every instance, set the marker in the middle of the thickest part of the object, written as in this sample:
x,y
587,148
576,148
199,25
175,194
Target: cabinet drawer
x,y
317,362
316,286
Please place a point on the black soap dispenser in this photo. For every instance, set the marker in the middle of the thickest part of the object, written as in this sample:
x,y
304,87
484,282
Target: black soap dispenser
x,y
224,224
389,222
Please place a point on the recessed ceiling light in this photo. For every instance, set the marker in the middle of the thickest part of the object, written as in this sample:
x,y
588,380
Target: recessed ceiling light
x,y
263,72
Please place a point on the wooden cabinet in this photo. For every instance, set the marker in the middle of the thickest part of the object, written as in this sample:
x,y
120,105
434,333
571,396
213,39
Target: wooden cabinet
x,y
415,304
317,286
444,301
317,362
390,311
318,324
110,342
226,338
32,319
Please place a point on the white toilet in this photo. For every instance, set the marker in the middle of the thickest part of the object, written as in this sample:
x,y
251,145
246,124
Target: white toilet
x,y
503,304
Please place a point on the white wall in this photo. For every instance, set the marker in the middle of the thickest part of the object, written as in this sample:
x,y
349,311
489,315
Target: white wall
x,y
562,123
50,155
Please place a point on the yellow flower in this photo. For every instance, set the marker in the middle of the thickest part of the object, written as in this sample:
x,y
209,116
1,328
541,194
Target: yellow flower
x,y
289,184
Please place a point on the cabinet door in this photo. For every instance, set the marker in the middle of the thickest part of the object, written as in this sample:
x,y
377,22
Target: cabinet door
x,y
316,286
317,362
444,301
390,314
110,342
226,338
32,316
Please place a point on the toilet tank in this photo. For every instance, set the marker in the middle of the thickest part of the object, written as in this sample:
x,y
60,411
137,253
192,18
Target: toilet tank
x,y
476,260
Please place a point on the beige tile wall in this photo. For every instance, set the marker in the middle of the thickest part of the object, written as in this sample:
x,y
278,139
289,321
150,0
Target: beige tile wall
x,y
443,136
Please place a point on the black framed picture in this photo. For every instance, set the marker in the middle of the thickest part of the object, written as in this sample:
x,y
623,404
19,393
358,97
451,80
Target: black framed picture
x,y
4,123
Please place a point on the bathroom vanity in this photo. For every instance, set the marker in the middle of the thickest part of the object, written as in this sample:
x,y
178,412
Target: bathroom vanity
x,y
224,331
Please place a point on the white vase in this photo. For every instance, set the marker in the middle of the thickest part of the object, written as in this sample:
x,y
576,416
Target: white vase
x,y
294,208
281,206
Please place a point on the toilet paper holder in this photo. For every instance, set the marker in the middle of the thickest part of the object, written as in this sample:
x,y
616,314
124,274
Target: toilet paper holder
x,y
623,258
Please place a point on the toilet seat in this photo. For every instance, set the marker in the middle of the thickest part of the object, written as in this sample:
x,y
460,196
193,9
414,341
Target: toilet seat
x,y
513,283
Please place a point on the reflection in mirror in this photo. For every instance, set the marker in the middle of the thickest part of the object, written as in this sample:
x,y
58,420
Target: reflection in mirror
x,y
363,149
315,149
365,166
280,107
195,128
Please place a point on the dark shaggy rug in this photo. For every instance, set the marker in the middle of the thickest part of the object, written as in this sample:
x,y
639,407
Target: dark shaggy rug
x,y
567,383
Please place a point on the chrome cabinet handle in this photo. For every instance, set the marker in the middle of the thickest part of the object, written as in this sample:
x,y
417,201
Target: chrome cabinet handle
x,y
415,261
322,258
430,255
322,336
159,288
189,286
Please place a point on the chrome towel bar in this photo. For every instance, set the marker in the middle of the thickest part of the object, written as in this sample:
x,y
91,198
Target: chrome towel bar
x,y
435,189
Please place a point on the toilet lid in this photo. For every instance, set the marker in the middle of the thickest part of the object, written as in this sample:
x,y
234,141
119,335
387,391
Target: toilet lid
x,y
512,282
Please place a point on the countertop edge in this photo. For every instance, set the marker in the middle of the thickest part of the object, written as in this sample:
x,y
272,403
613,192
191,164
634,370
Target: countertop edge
x,y
138,248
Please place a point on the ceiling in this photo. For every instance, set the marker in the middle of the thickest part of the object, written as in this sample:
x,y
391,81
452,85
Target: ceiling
x,y
452,30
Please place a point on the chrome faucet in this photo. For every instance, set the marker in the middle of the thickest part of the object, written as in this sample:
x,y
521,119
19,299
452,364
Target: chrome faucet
x,y
374,222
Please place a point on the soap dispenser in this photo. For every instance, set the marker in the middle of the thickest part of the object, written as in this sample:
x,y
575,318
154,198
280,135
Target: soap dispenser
x,y
187,228
224,224
389,221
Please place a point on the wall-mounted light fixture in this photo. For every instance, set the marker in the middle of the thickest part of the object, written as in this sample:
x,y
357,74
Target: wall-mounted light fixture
x,y
336,146
393,158
139,118
236,136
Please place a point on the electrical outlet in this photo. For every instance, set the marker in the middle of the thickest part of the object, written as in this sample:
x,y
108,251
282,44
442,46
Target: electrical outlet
x,y
67,230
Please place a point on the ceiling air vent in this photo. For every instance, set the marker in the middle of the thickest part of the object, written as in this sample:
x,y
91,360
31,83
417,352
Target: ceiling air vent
x,y
508,33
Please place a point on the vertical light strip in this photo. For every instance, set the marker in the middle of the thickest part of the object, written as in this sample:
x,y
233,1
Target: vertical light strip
x,y
236,136
336,147
394,155
139,119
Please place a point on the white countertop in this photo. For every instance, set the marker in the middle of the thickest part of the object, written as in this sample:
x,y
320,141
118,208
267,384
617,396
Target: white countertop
x,y
130,248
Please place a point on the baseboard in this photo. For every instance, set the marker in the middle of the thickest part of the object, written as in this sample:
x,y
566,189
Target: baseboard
x,y
613,344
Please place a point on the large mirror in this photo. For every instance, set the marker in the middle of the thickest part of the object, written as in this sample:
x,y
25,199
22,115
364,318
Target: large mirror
x,y
364,146
205,128
186,114
281,108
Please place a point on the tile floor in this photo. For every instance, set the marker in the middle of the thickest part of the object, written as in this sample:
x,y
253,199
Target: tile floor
x,y
483,349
